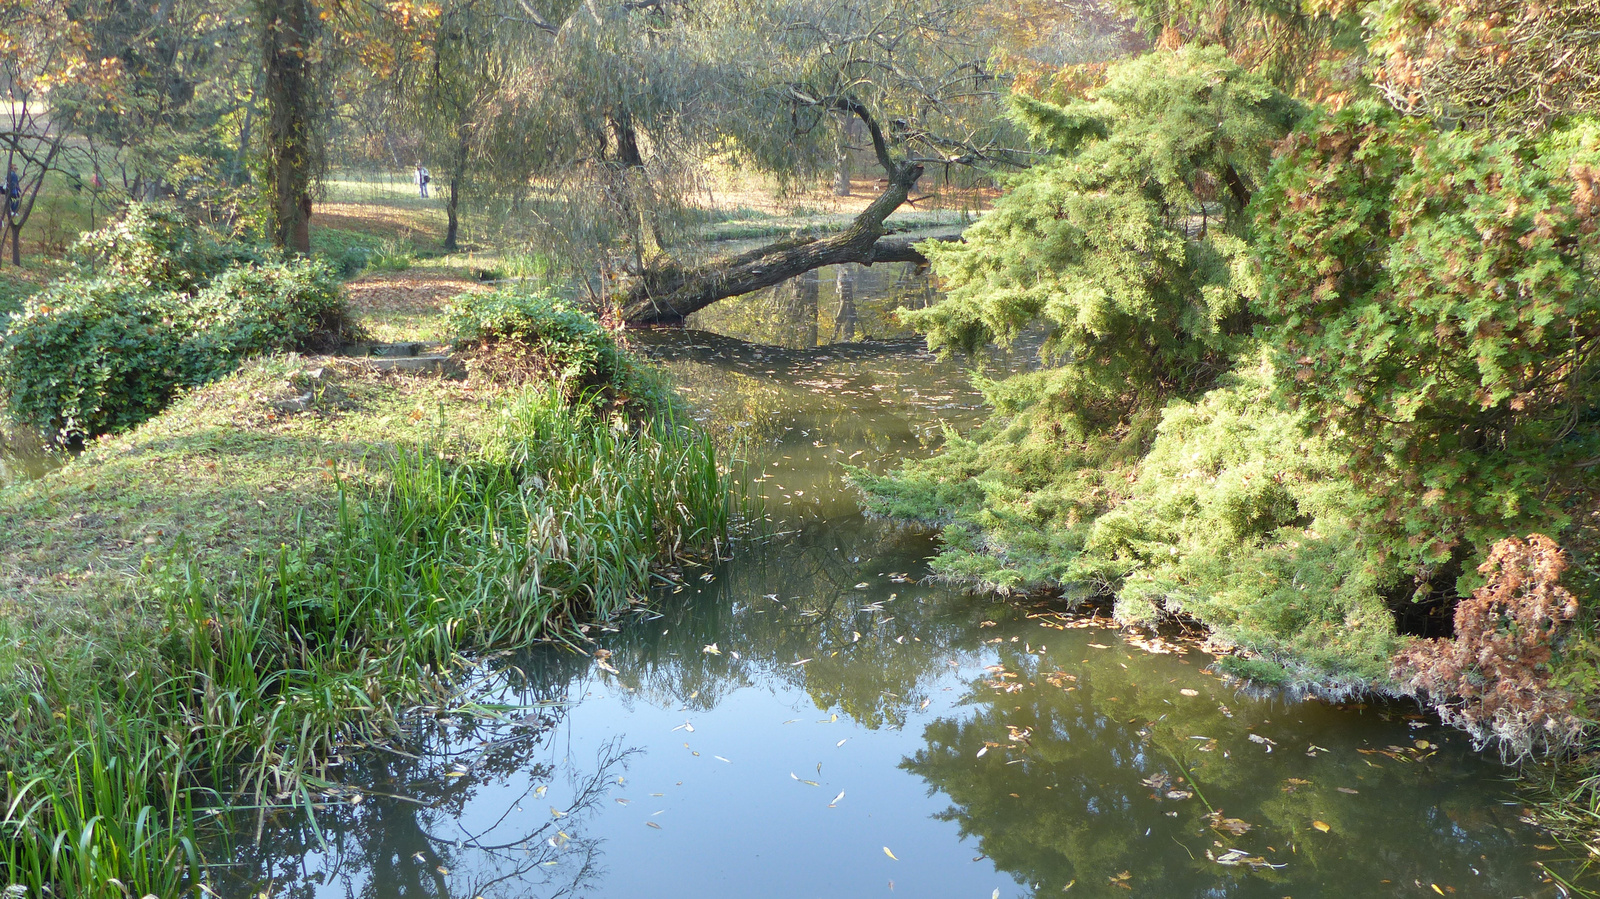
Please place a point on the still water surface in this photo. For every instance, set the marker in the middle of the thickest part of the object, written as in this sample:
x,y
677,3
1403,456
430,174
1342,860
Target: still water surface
x,y
811,719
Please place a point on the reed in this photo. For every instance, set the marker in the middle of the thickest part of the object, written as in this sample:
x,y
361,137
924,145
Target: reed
x,y
248,688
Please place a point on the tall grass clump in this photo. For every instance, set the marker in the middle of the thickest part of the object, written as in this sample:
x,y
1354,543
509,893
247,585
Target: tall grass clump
x,y
236,694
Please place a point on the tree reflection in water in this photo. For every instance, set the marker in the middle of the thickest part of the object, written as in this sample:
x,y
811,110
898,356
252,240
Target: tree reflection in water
x,y
414,828
1078,780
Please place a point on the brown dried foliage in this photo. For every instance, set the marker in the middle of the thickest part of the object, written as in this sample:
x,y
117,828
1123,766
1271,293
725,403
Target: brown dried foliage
x,y
1510,61
1493,679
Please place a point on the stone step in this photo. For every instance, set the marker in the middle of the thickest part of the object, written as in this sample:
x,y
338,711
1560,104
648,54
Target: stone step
x,y
394,350
436,363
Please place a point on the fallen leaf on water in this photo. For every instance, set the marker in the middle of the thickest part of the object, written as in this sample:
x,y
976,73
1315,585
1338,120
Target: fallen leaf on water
x,y
1237,857
1436,888
1099,646
1321,826
1188,692
442,869
1231,825
840,743
1348,790
712,649
652,824
836,799
721,759
888,853
688,727
801,662
981,752
996,894
557,813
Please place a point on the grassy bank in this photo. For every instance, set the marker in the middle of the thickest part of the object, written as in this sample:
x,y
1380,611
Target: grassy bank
x,y
205,609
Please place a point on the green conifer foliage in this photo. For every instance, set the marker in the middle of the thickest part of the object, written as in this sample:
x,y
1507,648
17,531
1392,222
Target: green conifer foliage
x,y
1432,296
1126,249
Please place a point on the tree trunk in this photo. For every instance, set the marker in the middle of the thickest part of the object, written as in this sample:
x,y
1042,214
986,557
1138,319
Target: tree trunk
x,y
237,164
291,103
16,244
841,185
807,291
844,324
667,293
452,223
458,177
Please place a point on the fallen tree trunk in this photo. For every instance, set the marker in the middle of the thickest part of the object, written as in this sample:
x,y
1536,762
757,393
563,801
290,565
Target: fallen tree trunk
x,y
666,292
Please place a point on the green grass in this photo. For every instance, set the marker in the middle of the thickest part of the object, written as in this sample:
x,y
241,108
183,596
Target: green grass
x,y
204,610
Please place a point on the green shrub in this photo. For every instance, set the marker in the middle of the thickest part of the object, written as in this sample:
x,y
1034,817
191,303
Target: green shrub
x,y
1241,520
86,358
529,334
1432,296
275,307
13,291
155,246
90,357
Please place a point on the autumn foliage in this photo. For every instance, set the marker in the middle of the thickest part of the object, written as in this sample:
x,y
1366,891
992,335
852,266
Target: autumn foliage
x,y
1483,61
1494,678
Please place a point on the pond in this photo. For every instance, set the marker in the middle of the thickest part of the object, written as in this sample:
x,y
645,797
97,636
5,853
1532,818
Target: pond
x,y
23,459
812,719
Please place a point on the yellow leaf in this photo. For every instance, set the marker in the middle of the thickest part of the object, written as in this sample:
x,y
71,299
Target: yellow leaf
x,y
1436,888
1321,826
888,853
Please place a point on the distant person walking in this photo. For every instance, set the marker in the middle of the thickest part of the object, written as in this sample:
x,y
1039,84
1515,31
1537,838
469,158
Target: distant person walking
x,y
13,190
423,177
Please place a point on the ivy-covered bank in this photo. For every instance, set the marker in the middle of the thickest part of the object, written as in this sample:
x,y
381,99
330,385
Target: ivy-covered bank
x,y
1312,376
266,560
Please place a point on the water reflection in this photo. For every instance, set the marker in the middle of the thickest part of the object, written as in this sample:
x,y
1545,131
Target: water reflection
x,y
1079,763
23,457
821,307
786,717
465,808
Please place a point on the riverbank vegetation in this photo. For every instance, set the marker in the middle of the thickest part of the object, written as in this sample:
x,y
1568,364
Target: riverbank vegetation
x,y
1315,368
260,561
207,610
